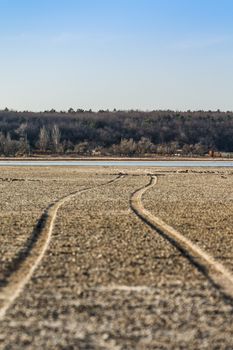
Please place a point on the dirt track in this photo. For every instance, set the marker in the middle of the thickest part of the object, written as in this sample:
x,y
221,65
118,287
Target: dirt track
x,y
107,280
212,269
28,263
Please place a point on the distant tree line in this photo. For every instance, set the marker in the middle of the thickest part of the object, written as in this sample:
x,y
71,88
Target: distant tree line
x,y
118,133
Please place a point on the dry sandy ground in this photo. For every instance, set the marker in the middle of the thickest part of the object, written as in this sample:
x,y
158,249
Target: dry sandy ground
x,y
107,280
200,206
25,194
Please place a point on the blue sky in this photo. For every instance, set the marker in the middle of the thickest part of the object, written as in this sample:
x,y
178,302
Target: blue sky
x,y
124,54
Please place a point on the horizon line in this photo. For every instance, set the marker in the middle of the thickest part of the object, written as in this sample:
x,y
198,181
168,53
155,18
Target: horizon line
x,y
114,110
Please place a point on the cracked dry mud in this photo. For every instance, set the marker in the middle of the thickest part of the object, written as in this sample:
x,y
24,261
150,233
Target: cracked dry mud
x,y
107,280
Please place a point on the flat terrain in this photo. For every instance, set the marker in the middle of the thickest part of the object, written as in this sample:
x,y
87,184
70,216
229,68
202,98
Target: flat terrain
x,y
80,269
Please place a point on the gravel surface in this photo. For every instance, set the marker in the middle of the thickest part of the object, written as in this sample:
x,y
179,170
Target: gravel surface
x,y
108,281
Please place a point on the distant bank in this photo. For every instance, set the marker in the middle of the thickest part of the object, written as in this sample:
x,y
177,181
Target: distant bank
x,y
116,159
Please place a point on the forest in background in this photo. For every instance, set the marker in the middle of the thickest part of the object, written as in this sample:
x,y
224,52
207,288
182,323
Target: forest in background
x,y
115,133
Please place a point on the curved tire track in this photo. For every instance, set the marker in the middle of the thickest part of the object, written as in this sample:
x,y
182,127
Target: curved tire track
x,y
26,263
213,270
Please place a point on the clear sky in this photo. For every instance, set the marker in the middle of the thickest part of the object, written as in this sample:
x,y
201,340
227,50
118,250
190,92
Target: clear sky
x,y
124,54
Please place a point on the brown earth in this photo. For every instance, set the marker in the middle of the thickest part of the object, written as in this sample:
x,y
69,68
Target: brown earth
x,y
107,280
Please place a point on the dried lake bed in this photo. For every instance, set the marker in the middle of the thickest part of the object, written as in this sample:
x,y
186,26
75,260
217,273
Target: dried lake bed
x,y
81,269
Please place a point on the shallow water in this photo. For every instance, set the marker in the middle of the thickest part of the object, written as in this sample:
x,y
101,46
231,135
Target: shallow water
x,y
124,163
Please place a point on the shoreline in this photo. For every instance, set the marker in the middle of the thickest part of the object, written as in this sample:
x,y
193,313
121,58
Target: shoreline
x,y
115,159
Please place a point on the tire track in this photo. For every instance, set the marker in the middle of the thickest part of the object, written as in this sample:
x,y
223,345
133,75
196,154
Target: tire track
x,y
220,277
26,262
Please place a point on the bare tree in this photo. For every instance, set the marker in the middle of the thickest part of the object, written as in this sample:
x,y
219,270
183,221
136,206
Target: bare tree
x,y
145,146
81,148
43,139
125,147
56,137
2,143
21,130
23,146
9,146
